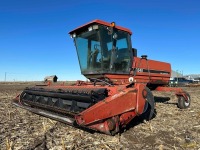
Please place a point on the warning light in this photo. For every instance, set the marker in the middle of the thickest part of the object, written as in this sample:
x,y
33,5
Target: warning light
x,y
112,24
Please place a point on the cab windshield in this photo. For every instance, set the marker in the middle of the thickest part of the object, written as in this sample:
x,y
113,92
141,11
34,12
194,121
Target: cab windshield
x,y
102,51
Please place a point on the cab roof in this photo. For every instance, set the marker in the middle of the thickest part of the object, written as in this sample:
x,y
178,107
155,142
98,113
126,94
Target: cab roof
x,y
99,22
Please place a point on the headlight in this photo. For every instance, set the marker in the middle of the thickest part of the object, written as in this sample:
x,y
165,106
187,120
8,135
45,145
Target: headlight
x,y
94,27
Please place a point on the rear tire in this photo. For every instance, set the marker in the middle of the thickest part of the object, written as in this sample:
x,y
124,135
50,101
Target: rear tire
x,y
148,112
182,103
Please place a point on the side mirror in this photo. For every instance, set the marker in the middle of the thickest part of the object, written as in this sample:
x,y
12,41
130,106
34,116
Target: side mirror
x,y
134,52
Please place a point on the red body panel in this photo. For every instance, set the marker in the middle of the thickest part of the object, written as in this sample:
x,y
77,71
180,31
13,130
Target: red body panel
x,y
125,104
154,72
153,65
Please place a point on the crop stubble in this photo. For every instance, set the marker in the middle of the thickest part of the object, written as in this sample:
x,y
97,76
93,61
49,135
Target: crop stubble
x,y
171,128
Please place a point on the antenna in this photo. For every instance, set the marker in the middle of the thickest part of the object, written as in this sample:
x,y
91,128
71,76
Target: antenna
x,y
5,76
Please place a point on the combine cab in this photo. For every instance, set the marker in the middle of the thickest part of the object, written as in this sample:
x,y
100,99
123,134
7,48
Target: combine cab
x,y
119,86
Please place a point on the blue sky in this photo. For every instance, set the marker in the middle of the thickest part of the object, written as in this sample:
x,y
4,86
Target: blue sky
x,y
34,40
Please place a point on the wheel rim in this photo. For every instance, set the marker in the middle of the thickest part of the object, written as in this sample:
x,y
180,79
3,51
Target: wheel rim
x,y
187,103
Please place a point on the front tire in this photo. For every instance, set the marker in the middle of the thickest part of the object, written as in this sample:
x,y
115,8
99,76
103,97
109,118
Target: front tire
x,y
149,107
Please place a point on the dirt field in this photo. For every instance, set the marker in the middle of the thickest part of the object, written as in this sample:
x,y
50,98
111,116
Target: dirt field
x,y
171,128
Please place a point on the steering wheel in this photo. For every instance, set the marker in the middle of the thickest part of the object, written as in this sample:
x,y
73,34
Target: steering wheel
x,y
96,46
